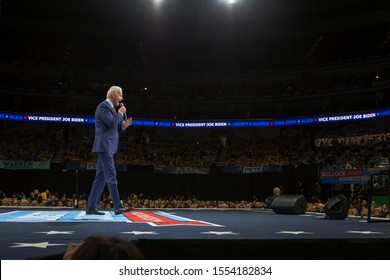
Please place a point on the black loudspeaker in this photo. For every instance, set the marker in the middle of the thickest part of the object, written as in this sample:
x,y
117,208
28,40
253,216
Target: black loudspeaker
x,y
337,208
289,204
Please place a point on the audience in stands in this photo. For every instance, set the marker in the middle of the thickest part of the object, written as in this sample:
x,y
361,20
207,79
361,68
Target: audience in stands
x,y
247,151
358,207
293,150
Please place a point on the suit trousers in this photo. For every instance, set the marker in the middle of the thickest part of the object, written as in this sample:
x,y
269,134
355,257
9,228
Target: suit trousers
x,y
105,174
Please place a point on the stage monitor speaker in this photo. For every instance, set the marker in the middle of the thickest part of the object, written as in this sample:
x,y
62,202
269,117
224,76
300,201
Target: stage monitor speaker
x,y
337,208
289,204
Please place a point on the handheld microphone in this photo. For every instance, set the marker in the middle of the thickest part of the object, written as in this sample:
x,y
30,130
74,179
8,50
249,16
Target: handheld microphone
x,y
124,114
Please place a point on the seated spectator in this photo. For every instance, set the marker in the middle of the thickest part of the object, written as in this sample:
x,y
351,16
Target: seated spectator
x,y
36,195
45,195
103,248
275,192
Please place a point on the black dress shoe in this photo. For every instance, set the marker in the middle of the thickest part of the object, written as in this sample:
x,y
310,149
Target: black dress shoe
x,y
93,212
121,210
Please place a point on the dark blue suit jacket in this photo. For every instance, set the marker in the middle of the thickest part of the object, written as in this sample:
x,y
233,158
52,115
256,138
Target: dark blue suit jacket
x,y
107,124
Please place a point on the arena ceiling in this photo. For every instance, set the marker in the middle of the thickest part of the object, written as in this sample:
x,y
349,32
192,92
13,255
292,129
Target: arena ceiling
x,y
214,29
169,16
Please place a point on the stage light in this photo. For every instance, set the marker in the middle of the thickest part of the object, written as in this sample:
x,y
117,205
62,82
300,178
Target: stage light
x,y
230,2
157,3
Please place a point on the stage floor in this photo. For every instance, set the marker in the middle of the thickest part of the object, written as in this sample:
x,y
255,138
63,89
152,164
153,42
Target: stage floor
x,y
195,233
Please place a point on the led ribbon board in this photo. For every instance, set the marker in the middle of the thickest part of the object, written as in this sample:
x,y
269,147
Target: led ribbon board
x,y
330,118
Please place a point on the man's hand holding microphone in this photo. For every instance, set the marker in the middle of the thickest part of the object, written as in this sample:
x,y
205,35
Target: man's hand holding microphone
x,y
127,121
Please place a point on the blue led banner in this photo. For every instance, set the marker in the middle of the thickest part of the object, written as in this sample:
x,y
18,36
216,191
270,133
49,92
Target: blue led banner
x,y
252,169
46,118
344,176
92,166
21,164
330,118
182,169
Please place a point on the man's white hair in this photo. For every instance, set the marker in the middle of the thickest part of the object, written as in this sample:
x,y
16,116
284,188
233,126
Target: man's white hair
x,y
112,90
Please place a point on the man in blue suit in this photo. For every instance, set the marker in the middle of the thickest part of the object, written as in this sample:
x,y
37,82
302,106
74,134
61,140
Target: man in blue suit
x,y
108,122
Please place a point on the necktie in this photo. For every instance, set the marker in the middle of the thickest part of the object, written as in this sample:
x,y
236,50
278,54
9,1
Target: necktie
x,y
114,109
